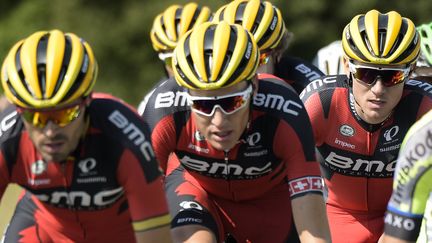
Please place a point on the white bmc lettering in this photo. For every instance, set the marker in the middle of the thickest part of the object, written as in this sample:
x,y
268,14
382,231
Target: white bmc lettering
x,y
169,99
343,162
133,132
311,75
277,102
232,169
315,84
7,122
102,198
423,85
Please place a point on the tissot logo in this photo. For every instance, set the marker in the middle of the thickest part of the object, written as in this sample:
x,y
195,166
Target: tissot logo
x,y
38,167
391,133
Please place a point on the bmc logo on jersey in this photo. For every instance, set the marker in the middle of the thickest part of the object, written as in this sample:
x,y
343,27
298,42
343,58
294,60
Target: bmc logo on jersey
x,y
133,133
169,99
82,199
359,167
307,72
315,84
277,102
216,169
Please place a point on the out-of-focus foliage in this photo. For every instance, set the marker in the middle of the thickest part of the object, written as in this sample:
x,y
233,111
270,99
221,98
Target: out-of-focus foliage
x,y
118,31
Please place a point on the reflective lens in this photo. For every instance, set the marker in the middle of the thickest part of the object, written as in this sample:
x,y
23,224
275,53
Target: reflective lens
x,y
388,76
62,117
265,57
227,103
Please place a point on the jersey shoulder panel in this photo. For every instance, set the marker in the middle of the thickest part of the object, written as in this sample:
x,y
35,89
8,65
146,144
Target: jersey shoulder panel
x,y
166,99
119,122
11,127
297,70
323,84
419,86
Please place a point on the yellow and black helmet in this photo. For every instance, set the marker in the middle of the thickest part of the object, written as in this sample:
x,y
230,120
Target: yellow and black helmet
x,y
48,69
174,22
261,18
215,55
378,38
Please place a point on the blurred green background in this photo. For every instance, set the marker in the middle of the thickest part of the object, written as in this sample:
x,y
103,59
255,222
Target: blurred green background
x,y
118,31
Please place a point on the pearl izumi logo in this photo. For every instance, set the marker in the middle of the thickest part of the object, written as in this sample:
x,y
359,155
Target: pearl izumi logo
x,y
391,133
38,167
86,165
254,139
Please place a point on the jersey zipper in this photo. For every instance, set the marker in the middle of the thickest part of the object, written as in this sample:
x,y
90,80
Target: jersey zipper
x,y
63,168
226,159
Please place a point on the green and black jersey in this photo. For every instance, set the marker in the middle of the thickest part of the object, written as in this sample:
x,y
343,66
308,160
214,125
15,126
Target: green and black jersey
x,y
409,209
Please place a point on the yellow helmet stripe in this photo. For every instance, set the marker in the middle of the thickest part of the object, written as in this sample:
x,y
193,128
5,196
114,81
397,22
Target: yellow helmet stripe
x,y
5,77
371,25
170,23
73,70
229,14
354,31
250,13
179,53
28,62
12,74
54,60
393,27
265,24
250,65
203,16
238,52
161,32
409,36
277,29
413,55
86,85
196,49
186,17
219,51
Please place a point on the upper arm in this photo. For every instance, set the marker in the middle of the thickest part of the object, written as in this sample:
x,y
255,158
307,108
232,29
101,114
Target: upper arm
x,y
145,193
4,175
164,140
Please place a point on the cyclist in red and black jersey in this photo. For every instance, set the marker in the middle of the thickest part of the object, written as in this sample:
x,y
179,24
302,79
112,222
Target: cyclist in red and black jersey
x,y
359,121
85,160
167,29
264,20
234,166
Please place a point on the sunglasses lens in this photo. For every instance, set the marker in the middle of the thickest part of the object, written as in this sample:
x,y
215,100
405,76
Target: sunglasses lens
x,y
59,117
229,104
388,77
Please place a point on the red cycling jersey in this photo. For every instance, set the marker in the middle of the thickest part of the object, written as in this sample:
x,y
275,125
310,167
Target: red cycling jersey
x,y
358,159
229,192
111,179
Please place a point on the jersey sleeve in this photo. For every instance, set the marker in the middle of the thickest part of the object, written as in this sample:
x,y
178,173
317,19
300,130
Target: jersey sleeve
x,y
164,140
4,175
297,148
146,198
412,186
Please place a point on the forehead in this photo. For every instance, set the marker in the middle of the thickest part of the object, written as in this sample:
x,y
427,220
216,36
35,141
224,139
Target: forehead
x,y
222,91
